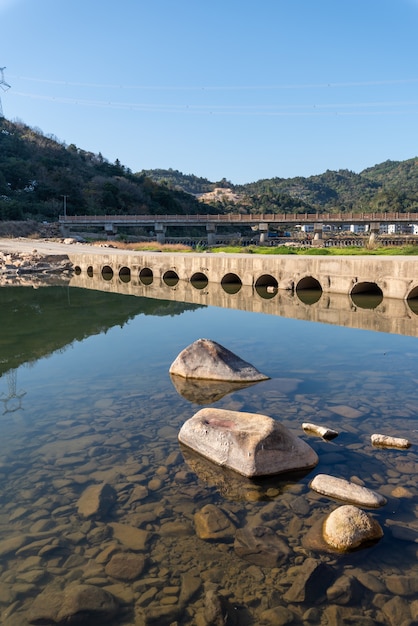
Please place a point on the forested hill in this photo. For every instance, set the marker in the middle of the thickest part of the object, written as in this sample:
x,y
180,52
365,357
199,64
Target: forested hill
x,y
37,171
389,186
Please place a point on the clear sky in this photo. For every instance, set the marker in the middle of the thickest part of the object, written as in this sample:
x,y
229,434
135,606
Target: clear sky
x,y
241,89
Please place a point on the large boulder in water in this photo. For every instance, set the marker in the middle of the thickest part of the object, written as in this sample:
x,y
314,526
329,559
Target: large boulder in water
x,y
206,359
249,443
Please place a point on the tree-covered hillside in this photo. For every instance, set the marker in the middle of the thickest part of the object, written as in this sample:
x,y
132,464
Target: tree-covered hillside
x,y
37,172
389,186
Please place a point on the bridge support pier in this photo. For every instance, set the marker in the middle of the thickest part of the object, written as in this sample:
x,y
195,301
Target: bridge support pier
x,y
263,230
160,230
110,228
374,231
211,232
317,239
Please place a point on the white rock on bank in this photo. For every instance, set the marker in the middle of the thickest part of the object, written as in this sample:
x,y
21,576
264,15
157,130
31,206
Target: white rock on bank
x,y
249,443
206,359
386,441
346,491
348,527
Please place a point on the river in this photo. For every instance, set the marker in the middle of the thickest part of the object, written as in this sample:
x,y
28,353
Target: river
x,y
86,399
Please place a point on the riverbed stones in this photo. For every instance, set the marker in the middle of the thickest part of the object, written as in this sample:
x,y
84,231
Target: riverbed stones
x,y
386,441
348,527
249,443
207,359
346,491
96,501
76,604
132,538
261,546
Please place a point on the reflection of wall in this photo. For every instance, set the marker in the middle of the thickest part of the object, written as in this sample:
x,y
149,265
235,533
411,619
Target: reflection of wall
x,y
390,316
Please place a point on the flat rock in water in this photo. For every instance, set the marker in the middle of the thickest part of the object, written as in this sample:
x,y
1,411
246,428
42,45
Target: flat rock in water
x,y
386,441
348,527
249,443
206,359
346,491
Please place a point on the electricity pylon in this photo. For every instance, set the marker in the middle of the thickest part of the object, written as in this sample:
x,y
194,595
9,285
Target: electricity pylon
x,y
12,400
5,86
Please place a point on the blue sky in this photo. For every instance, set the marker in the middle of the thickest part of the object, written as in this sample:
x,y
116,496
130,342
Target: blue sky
x,y
241,89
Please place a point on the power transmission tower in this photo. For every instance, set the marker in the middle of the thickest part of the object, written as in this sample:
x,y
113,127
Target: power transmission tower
x,y
5,86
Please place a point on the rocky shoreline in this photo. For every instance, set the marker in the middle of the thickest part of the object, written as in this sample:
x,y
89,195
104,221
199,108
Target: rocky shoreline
x,y
16,266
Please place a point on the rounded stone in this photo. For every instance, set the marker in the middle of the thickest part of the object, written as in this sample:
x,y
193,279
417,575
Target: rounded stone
x,y
348,527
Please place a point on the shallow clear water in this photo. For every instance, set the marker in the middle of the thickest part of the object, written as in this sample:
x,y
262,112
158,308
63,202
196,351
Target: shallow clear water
x,y
96,404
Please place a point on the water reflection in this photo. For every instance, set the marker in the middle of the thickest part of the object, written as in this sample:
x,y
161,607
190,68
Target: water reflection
x,y
366,301
360,310
100,408
309,296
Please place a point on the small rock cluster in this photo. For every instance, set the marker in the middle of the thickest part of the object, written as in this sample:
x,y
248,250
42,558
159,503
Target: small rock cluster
x,y
256,445
17,265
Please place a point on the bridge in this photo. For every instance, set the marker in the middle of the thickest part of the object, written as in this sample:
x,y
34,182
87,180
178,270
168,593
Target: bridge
x,y
260,222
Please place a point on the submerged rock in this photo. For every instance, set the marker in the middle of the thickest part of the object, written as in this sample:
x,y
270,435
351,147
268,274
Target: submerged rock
x,y
76,604
96,500
348,527
206,359
261,545
345,490
249,443
212,523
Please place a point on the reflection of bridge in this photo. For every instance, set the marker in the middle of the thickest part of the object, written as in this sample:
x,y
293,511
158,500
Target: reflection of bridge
x,y
390,316
160,223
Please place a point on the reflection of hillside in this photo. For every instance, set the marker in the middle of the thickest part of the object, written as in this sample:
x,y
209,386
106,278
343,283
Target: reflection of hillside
x,y
37,322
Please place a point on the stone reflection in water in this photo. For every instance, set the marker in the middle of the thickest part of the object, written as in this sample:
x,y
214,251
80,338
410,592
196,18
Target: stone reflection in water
x,y
235,487
205,391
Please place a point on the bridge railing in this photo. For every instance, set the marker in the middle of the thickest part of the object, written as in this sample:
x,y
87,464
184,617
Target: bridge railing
x,y
283,218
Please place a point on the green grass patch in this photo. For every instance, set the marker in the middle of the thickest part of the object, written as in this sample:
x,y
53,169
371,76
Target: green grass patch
x,y
334,251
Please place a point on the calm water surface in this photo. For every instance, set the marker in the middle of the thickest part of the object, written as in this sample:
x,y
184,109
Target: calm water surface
x,y
90,400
